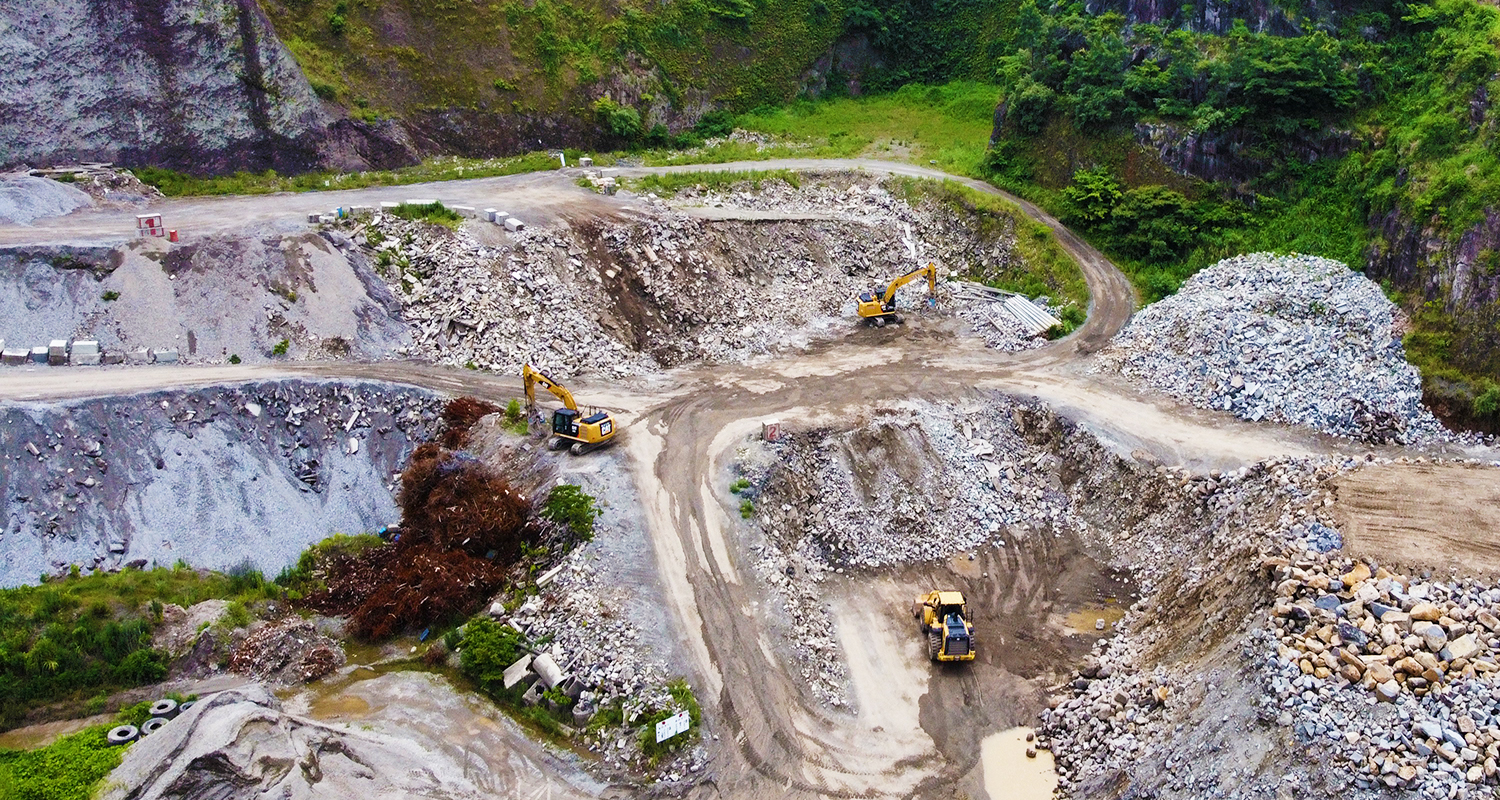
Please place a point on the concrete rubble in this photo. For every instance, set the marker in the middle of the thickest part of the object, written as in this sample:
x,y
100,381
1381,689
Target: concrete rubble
x,y
1293,339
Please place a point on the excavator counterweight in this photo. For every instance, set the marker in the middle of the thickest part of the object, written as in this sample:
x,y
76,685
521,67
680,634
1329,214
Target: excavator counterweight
x,y
571,428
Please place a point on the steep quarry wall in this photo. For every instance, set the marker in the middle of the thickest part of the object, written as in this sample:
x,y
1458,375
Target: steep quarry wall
x,y
196,85
216,477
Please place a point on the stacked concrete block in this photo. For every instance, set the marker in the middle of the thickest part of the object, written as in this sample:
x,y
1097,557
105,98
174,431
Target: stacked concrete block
x,y
39,354
84,354
57,352
15,356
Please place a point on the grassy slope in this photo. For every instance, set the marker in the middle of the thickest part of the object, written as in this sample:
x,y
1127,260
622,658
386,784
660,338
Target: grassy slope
x,y
71,768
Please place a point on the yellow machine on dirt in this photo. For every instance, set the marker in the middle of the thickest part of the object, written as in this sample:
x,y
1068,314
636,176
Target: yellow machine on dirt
x,y
880,309
570,427
943,617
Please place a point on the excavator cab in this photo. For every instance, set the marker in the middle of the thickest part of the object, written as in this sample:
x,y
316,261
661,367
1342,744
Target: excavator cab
x,y
943,617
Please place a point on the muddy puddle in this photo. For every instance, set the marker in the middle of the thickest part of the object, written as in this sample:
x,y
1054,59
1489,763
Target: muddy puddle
x,y
1009,774
34,736
1095,619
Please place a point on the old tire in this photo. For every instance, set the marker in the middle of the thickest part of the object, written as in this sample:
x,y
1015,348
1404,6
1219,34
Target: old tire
x,y
934,645
153,725
166,707
186,707
122,734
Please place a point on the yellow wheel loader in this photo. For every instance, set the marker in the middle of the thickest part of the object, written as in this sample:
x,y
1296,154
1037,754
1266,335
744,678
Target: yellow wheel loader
x,y
571,428
943,617
878,309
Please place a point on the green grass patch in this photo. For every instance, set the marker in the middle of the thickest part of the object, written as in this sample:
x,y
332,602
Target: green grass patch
x,y
739,486
178,184
71,768
435,213
307,574
70,638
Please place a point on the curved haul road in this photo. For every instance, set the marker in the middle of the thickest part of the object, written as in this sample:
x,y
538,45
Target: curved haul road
x,y
766,735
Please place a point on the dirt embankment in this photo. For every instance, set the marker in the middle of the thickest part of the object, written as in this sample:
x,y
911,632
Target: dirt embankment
x,y
215,477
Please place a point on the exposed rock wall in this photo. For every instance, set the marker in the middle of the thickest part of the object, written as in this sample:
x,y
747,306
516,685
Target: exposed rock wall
x,y
1462,273
196,85
1218,16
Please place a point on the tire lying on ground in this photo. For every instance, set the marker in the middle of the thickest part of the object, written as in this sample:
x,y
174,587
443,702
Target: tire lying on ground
x,y
122,734
166,707
153,725
186,707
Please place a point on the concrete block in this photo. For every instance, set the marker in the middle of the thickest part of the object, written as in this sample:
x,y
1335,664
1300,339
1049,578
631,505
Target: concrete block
x,y
422,201
770,430
39,354
141,356
85,348
533,695
84,359
516,672
314,217
14,356
361,211
489,214
467,212
547,670
389,204
164,356
513,224
500,217
585,161
112,357
57,352
609,172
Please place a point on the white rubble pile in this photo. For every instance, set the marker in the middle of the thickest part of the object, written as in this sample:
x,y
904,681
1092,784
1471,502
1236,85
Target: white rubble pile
x,y
794,575
997,327
931,480
1294,339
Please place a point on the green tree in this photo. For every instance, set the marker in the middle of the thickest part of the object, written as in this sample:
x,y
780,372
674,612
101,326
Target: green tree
x,y
1094,193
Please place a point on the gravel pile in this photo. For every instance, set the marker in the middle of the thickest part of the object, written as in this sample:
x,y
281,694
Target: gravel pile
x,y
216,477
1293,339
24,199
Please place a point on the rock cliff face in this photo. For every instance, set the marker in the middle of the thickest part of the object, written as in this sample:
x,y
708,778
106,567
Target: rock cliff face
x,y
1234,157
198,85
1461,272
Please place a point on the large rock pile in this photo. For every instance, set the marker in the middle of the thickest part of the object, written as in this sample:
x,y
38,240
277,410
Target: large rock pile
x,y
1346,632
1293,339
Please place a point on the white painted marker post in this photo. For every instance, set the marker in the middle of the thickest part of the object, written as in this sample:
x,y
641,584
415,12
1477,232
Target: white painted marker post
x,y
671,726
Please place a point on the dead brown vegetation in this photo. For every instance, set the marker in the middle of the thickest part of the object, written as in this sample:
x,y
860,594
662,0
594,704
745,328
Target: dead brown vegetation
x,y
462,528
461,415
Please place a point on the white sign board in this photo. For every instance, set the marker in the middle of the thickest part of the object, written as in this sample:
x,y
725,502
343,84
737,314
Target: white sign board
x,y
671,726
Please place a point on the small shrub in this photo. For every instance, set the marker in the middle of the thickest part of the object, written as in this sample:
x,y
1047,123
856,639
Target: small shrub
x,y
1487,402
487,649
436,213
747,509
234,359
281,347
739,486
110,296
568,505
65,177
513,411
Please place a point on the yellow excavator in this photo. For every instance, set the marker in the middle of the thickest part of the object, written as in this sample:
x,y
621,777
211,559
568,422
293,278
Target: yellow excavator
x,y
943,617
878,309
570,427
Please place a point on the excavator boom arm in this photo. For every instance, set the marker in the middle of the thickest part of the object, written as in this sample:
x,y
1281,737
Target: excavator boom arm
x,y
930,271
534,378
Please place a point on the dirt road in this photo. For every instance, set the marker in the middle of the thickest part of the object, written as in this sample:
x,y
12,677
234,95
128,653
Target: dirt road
x,y
915,731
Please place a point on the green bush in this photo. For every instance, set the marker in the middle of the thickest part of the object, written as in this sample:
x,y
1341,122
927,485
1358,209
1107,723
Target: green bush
x,y
747,509
739,486
1487,401
70,768
567,504
110,296
281,347
436,213
234,358
487,649
622,122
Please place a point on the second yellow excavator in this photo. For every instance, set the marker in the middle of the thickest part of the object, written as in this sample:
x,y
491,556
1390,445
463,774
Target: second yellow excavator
x,y
878,309
570,427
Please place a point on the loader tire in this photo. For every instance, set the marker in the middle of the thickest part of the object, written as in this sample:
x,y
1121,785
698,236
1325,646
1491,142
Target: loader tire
x,y
934,645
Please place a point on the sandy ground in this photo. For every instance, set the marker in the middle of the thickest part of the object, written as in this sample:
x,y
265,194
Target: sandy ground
x,y
1423,516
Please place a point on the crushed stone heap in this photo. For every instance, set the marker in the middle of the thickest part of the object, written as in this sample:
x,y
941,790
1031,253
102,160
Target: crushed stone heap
x,y
1294,339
